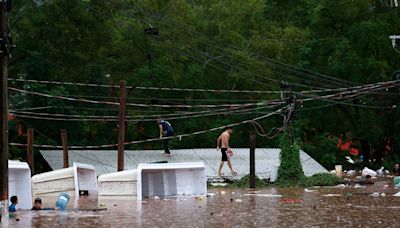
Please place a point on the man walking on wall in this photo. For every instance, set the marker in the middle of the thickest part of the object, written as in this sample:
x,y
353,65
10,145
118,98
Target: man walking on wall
x,y
166,130
223,143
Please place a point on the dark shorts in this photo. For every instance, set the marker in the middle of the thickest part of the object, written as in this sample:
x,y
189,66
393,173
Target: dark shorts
x,y
224,156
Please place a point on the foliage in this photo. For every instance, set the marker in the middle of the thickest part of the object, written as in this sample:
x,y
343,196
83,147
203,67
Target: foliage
x,y
244,182
290,170
324,150
323,179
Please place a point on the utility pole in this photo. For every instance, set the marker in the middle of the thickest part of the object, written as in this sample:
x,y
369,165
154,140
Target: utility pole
x,y
64,141
290,99
3,105
252,160
121,127
29,150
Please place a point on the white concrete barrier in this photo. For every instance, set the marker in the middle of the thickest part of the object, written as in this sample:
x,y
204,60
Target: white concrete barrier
x,y
79,179
19,183
121,183
171,179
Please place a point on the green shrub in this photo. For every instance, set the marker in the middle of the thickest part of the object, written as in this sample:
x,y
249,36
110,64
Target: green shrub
x,y
323,179
290,170
244,182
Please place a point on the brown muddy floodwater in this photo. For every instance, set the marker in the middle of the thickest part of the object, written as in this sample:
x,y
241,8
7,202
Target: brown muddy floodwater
x,y
268,207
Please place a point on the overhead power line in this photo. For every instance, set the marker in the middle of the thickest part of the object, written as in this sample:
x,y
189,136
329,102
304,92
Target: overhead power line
x,y
155,139
145,87
135,104
185,89
65,117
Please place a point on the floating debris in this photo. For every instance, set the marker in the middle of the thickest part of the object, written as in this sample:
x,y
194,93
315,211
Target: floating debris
x,y
199,198
375,194
219,184
366,171
264,195
290,200
331,195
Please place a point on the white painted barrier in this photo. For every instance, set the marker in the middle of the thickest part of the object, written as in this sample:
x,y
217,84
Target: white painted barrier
x,y
121,183
19,183
171,179
81,178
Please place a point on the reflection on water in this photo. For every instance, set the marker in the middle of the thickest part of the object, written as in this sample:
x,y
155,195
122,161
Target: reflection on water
x,y
230,208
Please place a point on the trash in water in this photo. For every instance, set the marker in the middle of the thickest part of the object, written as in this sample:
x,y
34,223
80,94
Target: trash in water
x,y
238,200
331,195
375,194
199,197
380,171
366,171
397,194
358,186
349,160
396,181
308,190
383,194
62,201
219,184
290,200
223,192
156,198
351,172
264,195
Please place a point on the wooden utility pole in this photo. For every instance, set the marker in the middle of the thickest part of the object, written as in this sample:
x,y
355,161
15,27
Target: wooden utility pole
x,y
64,141
29,150
121,127
252,160
4,108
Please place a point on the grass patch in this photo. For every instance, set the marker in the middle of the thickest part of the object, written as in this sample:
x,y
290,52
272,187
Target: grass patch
x,y
319,179
244,182
324,179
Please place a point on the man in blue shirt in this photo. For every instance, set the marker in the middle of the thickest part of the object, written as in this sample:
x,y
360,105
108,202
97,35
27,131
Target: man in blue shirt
x,y
166,130
14,201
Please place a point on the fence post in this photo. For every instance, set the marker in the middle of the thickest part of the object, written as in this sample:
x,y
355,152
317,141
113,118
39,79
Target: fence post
x,y
29,150
252,160
64,141
121,127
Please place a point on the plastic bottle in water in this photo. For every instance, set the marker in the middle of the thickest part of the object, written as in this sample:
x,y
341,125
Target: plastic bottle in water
x,y
62,201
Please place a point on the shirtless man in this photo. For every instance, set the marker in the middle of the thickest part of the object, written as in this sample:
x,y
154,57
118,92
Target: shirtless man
x,y
223,143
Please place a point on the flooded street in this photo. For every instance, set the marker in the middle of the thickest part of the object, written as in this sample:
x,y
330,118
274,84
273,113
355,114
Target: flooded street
x,y
272,207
